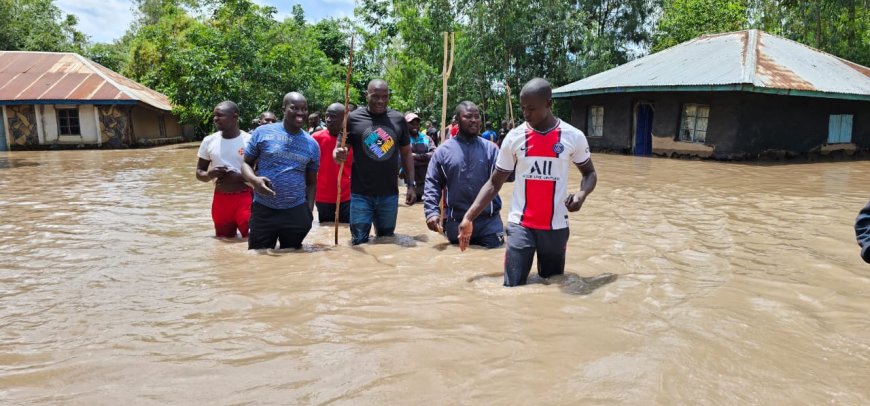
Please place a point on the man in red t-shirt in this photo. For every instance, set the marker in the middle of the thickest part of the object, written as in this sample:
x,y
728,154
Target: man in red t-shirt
x,y
328,139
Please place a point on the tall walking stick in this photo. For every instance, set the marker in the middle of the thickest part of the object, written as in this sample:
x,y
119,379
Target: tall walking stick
x,y
446,70
509,105
343,135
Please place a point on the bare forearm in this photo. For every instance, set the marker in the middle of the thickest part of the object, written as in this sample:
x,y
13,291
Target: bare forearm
x,y
587,185
310,191
408,164
488,192
248,172
202,175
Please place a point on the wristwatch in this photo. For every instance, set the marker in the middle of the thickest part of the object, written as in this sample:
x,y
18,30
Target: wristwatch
x,y
411,184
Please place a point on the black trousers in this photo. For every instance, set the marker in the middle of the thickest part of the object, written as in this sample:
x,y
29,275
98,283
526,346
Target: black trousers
x,y
522,245
269,226
326,212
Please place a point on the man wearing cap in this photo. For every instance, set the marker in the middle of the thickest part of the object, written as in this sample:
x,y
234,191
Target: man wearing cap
x,y
422,147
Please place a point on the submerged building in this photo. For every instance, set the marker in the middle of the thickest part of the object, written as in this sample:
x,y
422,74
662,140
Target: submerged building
x,y
738,95
55,99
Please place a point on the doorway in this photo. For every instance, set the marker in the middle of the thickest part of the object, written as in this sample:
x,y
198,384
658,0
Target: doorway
x,y
643,130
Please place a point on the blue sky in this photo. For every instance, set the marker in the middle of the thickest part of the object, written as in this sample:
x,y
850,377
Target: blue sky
x,y
106,20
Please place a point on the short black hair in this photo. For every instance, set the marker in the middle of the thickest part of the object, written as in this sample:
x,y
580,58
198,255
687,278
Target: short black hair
x,y
229,106
293,96
463,105
538,87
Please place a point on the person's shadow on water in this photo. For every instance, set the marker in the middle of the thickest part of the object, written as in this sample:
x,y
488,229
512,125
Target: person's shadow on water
x,y
569,283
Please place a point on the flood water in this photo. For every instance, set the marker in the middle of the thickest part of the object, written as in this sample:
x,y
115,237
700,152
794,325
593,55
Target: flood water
x,y
736,284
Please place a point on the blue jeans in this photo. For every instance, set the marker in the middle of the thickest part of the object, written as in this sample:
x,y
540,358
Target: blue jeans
x,y
365,210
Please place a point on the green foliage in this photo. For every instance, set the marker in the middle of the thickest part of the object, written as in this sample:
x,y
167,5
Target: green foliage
x,y
683,20
38,25
839,27
200,52
238,52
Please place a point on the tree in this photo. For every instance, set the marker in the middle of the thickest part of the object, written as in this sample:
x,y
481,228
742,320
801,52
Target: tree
x,y
237,52
683,20
38,25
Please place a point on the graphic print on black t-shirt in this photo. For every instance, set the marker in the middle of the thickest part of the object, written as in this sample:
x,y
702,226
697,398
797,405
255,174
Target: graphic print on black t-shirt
x,y
379,142
380,137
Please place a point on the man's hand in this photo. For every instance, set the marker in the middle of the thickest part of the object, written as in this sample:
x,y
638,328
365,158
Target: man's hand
x,y
263,186
434,224
575,201
466,227
230,177
339,155
218,172
411,195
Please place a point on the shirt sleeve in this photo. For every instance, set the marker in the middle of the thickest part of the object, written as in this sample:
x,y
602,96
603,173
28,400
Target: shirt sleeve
x,y
581,151
435,181
203,150
313,163
252,150
507,158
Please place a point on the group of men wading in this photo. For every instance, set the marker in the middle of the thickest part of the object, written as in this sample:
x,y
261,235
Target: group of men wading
x,y
267,183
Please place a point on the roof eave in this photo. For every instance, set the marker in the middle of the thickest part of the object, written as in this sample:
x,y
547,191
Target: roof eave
x,y
712,88
67,101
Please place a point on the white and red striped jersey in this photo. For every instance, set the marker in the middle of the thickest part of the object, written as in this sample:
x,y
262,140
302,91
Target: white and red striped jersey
x,y
542,162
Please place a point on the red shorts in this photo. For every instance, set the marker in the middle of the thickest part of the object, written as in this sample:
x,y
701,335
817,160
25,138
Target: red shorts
x,y
231,211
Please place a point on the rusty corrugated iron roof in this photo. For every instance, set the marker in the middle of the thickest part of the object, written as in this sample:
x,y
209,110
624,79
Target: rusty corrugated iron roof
x,y
41,77
748,60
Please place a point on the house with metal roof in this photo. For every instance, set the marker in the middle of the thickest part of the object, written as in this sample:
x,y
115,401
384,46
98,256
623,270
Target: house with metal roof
x,y
56,99
737,95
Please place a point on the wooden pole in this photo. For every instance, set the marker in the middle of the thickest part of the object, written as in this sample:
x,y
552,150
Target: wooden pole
x,y
446,70
510,106
343,134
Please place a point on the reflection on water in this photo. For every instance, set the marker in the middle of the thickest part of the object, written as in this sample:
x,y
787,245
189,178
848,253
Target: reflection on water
x,y
6,163
731,284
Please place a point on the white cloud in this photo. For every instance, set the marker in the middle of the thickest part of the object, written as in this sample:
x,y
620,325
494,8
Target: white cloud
x,y
101,20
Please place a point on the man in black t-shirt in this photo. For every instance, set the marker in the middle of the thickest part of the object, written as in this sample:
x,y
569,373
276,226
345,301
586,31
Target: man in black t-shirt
x,y
376,134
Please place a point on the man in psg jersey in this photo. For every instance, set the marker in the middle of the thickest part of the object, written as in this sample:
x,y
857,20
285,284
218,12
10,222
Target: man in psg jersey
x,y
541,152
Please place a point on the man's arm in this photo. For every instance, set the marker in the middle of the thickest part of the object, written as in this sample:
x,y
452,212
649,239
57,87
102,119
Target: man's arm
x,y
435,182
310,188
261,184
484,197
587,185
408,165
862,232
205,175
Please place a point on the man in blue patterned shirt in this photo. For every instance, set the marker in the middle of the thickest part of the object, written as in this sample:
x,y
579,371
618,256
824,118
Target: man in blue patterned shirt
x,y
287,160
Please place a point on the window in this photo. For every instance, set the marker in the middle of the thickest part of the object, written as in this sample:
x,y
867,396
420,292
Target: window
x,y
68,122
840,129
693,123
595,121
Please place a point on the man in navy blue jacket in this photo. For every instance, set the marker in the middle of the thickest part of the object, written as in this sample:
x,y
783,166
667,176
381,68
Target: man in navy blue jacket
x,y
862,232
461,166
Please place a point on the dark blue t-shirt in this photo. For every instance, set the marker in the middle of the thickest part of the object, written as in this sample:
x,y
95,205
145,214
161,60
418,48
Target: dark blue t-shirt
x,y
284,159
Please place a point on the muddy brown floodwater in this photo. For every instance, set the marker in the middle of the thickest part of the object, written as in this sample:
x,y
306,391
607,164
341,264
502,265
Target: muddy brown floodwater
x,y
737,284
